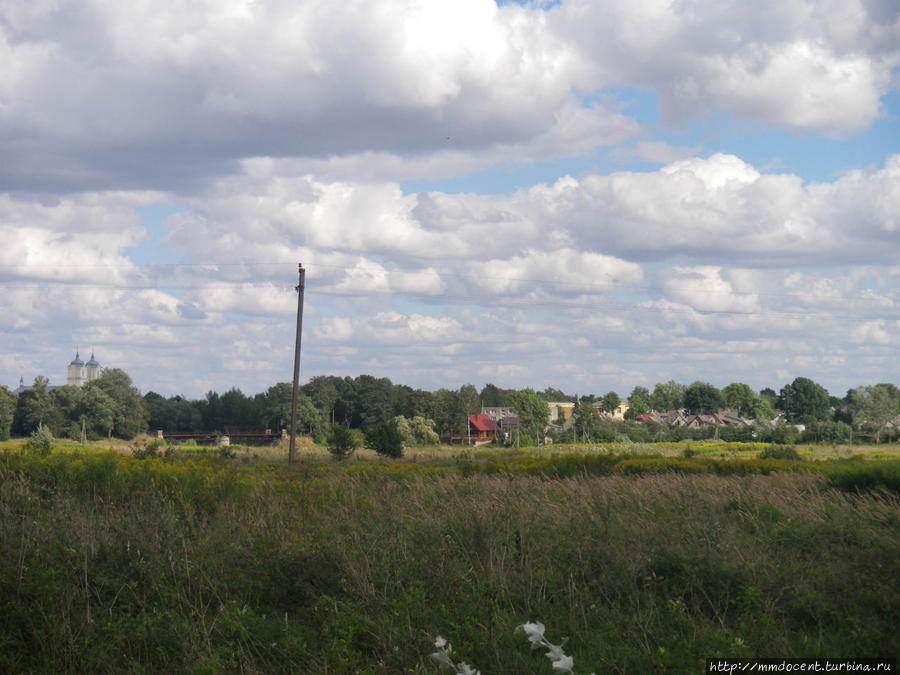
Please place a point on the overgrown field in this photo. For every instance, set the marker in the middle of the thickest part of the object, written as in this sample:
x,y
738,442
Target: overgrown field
x,y
202,563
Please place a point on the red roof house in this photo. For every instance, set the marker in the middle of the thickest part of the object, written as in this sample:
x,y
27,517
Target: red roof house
x,y
482,429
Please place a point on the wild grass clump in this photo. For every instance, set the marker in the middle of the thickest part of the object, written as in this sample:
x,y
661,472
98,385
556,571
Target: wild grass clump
x,y
775,451
859,475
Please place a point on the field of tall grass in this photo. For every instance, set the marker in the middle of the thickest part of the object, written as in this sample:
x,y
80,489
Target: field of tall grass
x,y
209,562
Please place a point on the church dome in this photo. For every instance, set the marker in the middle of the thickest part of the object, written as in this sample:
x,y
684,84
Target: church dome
x,y
77,362
93,362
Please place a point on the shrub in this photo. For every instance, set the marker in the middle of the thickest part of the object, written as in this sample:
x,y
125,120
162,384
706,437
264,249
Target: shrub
x,y
144,447
41,441
775,451
342,442
385,438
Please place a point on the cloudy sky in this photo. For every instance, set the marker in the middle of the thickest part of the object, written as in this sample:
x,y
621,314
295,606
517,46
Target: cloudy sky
x,y
585,194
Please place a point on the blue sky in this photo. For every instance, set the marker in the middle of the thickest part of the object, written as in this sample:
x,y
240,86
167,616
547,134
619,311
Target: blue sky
x,y
585,195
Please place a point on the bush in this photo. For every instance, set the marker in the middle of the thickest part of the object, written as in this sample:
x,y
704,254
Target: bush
x,y
342,442
145,447
385,438
780,452
41,441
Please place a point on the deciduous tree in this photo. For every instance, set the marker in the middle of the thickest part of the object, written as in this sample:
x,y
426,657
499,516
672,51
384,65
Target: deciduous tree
x,y
804,397
872,407
702,397
739,397
532,410
610,402
667,396
638,402
130,410
587,423
7,412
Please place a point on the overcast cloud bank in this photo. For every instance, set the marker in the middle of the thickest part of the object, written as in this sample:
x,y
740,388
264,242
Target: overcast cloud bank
x,y
166,166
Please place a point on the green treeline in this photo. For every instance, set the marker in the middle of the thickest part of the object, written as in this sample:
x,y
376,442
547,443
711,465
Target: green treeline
x,y
802,411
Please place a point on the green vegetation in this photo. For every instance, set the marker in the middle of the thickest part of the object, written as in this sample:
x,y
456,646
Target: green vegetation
x,y
41,441
385,438
184,561
110,406
342,442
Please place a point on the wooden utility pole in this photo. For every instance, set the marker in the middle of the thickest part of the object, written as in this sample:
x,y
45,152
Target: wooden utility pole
x,y
302,273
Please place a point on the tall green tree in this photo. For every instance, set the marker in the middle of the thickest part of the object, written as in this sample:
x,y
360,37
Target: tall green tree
x,y
556,395
374,401
740,397
410,402
702,398
804,398
334,397
275,411
447,411
67,400
99,411
237,412
587,423
610,402
667,396
469,400
36,408
770,394
159,412
7,412
130,409
761,409
187,415
493,396
872,407
532,411
209,411
638,402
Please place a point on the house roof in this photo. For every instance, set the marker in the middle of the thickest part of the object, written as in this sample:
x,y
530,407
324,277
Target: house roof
x,y
483,423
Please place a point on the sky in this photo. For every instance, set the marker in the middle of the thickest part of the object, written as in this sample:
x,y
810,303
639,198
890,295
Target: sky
x,y
587,195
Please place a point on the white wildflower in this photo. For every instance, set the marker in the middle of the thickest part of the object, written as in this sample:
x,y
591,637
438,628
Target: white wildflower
x,y
564,663
535,633
442,658
559,660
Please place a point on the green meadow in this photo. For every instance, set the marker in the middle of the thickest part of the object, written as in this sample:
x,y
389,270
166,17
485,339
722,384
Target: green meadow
x,y
646,558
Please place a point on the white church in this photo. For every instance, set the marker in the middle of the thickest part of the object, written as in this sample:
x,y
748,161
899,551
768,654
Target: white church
x,y
81,372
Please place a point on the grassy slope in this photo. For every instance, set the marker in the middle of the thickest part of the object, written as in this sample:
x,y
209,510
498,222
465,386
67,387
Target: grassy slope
x,y
108,563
